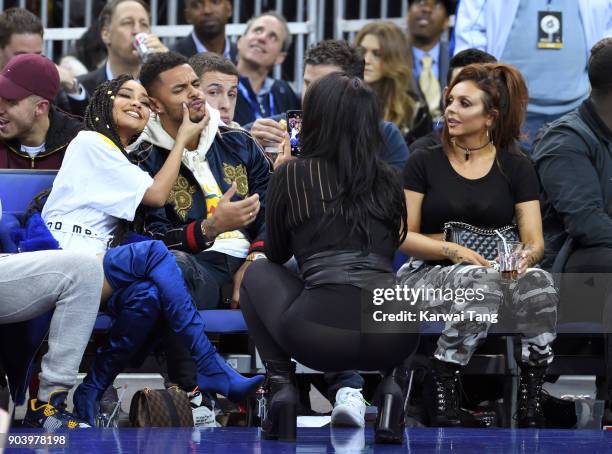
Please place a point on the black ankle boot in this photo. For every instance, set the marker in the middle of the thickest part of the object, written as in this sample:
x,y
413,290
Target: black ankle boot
x,y
390,421
280,400
530,412
443,396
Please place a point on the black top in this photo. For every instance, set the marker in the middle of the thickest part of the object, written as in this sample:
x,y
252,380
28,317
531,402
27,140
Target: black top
x,y
486,202
295,207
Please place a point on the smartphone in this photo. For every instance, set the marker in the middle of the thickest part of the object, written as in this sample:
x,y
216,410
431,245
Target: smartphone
x,y
294,126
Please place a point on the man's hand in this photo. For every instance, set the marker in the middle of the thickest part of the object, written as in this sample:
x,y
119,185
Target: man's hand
x,y
268,132
230,215
67,80
153,43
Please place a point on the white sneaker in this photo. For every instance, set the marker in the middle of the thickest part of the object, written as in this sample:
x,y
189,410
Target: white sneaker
x,y
349,409
347,441
202,415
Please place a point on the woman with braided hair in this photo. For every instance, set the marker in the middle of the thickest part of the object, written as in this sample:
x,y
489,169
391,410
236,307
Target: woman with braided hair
x,y
96,190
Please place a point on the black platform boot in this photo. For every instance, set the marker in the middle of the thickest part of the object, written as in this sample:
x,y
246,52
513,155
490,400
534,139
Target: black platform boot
x,y
280,400
390,421
530,412
443,394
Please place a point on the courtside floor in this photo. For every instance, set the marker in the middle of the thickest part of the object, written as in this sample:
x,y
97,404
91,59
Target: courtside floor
x,y
326,440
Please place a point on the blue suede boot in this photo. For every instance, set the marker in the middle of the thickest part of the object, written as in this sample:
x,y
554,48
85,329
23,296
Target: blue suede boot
x,y
151,260
136,311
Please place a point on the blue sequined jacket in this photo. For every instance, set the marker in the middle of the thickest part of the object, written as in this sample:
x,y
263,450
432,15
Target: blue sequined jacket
x,y
233,156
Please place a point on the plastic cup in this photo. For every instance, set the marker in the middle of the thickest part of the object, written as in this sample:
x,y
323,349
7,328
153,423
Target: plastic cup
x,y
509,257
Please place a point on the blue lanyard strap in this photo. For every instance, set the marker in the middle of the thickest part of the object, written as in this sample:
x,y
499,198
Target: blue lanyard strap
x,y
258,109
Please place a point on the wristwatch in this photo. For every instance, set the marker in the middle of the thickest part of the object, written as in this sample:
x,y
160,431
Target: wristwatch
x,y
207,241
255,256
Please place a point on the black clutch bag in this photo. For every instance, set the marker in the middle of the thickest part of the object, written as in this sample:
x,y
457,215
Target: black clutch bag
x,y
482,241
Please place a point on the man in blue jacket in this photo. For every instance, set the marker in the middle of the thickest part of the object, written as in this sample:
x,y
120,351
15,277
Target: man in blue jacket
x,y
222,170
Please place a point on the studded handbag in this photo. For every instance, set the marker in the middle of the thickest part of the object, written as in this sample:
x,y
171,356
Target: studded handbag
x,y
480,240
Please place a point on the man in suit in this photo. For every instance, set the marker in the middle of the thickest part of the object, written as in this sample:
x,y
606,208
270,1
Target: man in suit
x,y
208,18
264,44
427,21
121,21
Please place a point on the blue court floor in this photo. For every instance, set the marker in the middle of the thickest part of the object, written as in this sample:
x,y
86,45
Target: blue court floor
x,y
325,440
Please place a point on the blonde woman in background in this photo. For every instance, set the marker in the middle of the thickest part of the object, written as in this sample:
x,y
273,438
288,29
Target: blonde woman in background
x,y
388,71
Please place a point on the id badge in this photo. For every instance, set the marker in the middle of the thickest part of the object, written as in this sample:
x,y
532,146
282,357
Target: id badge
x,y
550,30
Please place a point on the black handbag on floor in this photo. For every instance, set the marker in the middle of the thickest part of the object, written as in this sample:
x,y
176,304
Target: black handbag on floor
x,y
480,240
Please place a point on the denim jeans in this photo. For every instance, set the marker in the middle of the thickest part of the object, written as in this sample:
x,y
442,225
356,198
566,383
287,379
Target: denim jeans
x,y
205,274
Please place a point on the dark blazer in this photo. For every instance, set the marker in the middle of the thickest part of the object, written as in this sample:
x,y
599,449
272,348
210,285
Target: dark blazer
x,y
443,64
90,82
284,99
444,59
186,47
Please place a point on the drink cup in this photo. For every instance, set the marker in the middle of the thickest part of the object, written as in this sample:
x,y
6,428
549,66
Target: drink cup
x,y
271,153
509,258
139,43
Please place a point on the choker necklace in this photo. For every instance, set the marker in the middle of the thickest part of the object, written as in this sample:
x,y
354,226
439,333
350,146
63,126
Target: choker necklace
x,y
467,150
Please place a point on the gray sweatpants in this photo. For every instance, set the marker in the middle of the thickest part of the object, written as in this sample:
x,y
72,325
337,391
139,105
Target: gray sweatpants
x,y
33,283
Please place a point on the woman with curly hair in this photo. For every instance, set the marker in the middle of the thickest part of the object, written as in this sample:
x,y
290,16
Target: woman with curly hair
x,y
388,71
478,175
96,191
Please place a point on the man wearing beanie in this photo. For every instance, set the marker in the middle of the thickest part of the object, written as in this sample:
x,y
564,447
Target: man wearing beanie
x,y
34,134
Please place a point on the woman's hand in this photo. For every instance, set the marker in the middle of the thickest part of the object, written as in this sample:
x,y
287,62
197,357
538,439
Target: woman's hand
x,y
284,152
527,260
460,254
190,131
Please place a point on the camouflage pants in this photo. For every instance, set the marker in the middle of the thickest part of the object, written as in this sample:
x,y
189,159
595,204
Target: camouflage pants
x,y
532,302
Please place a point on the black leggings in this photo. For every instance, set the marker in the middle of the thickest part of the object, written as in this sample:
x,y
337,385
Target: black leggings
x,y
320,327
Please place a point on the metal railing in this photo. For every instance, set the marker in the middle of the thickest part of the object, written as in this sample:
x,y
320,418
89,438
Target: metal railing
x,y
309,21
345,28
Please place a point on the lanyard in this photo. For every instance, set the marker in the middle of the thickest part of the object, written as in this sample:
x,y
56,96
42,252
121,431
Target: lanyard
x,y
257,109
